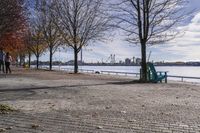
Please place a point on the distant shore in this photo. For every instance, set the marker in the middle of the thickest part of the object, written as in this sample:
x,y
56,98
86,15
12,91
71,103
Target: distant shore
x,y
63,64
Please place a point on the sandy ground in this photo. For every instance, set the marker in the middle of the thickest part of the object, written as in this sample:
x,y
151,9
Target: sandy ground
x,y
102,99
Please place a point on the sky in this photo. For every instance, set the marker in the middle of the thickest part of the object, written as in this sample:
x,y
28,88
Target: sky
x,y
184,48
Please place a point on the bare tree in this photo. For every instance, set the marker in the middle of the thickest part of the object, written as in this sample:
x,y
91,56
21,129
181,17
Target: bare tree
x,y
28,46
81,22
148,22
35,36
37,45
48,27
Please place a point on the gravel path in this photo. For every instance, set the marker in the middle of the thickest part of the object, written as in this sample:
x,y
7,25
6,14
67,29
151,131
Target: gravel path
x,y
58,102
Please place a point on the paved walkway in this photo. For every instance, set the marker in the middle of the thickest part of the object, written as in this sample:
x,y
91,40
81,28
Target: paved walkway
x,y
54,102
63,122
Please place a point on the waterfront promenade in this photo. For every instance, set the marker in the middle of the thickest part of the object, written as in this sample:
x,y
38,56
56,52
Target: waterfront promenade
x,y
60,102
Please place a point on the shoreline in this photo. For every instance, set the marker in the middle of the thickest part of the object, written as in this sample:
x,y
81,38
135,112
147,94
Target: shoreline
x,y
128,74
123,65
172,72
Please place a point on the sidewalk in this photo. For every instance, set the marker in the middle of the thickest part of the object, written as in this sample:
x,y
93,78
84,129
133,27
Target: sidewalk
x,y
57,102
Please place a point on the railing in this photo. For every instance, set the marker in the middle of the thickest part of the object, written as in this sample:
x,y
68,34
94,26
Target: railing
x,y
71,70
138,74
183,77
87,71
119,73
43,67
66,69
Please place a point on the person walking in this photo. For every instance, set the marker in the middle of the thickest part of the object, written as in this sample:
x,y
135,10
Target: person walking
x,y
8,60
2,60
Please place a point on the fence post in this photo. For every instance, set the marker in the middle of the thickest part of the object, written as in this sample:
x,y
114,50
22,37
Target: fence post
x,y
182,79
165,77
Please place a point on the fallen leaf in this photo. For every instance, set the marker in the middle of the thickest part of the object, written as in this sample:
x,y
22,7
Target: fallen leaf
x,y
99,127
9,128
2,130
124,112
35,126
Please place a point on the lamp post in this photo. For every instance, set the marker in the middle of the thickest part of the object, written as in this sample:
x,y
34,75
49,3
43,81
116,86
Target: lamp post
x,y
81,56
59,58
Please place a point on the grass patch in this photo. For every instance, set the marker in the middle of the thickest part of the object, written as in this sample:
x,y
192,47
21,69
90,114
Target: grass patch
x,y
4,109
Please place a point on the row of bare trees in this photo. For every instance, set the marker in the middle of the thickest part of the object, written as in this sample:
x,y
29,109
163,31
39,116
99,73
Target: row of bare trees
x,y
74,23
78,23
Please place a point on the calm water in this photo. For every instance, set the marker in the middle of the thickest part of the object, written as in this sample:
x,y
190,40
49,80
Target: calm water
x,y
172,70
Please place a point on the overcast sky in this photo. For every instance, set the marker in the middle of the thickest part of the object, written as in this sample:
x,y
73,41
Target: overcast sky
x,y
184,48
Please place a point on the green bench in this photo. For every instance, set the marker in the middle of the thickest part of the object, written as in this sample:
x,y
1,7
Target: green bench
x,y
155,76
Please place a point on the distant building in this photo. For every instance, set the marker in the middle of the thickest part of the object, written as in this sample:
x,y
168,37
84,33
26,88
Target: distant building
x,y
127,61
71,62
112,59
133,59
193,63
179,63
138,61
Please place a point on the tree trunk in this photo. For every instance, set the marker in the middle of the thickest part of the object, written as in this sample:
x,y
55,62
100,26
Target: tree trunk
x,y
143,63
37,62
20,60
29,60
75,60
50,59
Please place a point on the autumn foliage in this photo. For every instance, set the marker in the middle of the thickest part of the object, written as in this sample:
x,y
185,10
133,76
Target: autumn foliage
x,y
12,42
12,25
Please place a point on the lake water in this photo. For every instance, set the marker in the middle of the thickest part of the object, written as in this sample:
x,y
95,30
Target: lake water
x,y
188,71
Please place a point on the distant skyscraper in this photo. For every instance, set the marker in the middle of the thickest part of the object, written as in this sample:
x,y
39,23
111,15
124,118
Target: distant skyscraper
x,y
127,61
112,59
133,59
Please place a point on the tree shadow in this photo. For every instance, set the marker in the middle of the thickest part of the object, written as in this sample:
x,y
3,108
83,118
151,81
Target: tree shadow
x,y
49,88
128,82
72,86
30,92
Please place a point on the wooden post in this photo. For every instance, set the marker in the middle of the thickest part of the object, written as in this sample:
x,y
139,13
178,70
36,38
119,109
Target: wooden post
x,y
160,75
165,77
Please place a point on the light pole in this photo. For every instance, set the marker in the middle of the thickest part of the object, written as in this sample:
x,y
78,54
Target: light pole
x,y
81,56
59,58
